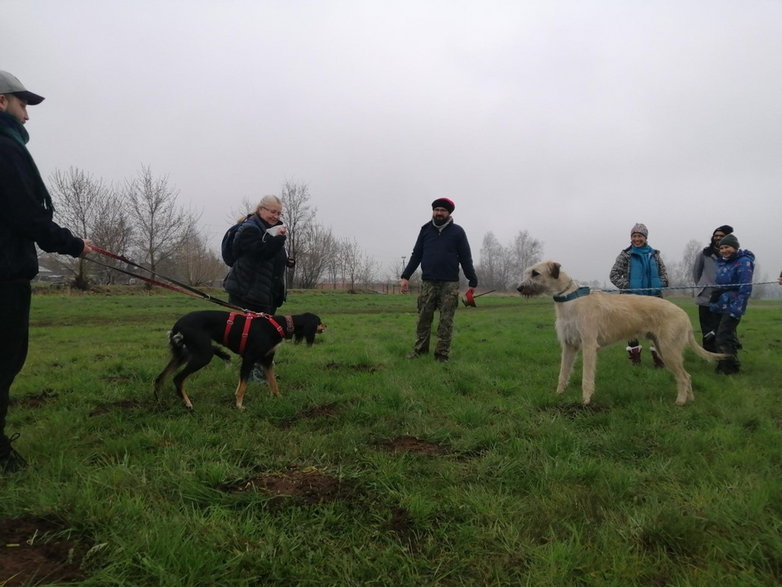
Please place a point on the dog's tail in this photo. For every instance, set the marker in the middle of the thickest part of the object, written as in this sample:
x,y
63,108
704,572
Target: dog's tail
x,y
702,352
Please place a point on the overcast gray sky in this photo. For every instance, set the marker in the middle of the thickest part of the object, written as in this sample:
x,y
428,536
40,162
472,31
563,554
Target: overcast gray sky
x,y
571,120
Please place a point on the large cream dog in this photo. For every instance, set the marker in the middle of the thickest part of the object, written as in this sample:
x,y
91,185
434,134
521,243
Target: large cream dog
x,y
589,320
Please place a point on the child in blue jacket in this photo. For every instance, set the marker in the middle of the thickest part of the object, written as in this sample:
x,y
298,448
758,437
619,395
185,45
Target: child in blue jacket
x,y
729,300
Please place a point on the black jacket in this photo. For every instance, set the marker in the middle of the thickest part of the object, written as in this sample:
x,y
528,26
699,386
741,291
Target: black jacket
x,y
258,275
26,216
440,252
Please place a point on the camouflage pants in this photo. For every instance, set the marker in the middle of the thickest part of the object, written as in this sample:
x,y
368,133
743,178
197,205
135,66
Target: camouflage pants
x,y
436,295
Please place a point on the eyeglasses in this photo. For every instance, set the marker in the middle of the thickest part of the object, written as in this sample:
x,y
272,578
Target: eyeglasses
x,y
272,212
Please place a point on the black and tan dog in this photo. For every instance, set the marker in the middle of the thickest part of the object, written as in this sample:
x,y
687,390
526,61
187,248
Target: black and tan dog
x,y
255,337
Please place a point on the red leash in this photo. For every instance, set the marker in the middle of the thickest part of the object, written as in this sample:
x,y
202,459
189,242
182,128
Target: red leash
x,y
181,287
196,293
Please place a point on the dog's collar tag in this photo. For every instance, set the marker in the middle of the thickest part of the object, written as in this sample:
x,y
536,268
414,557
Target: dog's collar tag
x,y
581,291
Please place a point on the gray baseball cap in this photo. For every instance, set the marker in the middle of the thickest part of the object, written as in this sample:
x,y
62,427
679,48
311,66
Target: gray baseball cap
x,y
10,84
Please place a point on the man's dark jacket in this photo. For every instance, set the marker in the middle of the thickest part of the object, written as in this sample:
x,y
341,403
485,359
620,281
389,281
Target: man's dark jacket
x,y
440,252
25,209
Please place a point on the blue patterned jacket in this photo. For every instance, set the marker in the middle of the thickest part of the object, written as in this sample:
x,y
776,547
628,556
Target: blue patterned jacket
x,y
734,275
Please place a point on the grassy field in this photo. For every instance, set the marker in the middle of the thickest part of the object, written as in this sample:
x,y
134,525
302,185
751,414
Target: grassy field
x,y
376,469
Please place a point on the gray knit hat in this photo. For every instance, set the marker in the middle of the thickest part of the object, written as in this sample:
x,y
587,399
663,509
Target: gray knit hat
x,y
640,229
730,240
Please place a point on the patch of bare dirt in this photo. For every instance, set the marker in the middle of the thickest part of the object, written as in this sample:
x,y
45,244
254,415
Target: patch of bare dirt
x,y
35,401
313,412
361,368
411,444
32,553
310,486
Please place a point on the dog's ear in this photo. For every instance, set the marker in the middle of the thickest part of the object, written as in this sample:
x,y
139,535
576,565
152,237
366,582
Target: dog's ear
x,y
553,268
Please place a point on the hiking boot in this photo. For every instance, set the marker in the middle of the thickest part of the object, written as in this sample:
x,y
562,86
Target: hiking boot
x,y
634,354
413,355
658,360
10,460
441,358
728,366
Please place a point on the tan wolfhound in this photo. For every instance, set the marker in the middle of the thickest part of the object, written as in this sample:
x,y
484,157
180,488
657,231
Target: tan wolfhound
x,y
590,320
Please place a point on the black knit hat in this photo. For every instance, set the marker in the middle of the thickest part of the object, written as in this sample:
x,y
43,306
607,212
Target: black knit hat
x,y
730,240
444,203
724,229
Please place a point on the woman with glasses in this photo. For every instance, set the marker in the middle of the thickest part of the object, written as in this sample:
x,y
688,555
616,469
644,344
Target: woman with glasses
x,y
256,281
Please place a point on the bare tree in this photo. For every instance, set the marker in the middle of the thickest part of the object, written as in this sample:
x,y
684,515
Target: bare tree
x,y
524,252
79,198
318,249
298,213
195,264
680,274
493,266
161,226
357,267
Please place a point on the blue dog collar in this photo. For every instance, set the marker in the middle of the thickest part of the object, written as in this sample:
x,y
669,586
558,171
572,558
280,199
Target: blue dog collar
x,y
581,291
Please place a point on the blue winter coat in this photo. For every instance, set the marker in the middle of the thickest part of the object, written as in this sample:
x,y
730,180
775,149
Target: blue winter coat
x,y
735,275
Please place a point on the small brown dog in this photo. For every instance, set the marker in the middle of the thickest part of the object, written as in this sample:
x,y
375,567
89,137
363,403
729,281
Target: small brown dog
x,y
255,337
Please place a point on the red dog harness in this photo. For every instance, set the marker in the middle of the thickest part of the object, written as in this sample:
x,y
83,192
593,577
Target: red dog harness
x,y
248,320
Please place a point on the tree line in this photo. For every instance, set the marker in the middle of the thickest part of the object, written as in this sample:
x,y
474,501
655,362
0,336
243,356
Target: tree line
x,y
142,220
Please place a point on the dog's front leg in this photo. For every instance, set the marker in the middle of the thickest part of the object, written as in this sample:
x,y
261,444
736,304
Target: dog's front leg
x,y
566,366
589,359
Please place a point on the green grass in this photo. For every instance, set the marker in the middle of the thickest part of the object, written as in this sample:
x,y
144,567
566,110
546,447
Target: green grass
x,y
513,484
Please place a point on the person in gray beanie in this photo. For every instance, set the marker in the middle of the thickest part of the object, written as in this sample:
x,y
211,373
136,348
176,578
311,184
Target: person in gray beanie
x,y
639,270
704,271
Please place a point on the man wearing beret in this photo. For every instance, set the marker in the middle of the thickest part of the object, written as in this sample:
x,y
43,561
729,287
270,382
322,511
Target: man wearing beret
x,y
440,249
25,222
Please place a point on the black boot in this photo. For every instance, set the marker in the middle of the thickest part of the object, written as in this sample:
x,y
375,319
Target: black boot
x,y
10,460
634,354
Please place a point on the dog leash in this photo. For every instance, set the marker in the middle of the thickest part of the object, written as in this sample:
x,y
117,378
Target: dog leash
x,y
180,287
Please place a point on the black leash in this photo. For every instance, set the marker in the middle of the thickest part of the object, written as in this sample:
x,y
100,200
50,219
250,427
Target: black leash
x,y
180,287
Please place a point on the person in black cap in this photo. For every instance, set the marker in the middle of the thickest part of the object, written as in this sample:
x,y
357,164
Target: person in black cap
x,y
26,221
440,249
704,271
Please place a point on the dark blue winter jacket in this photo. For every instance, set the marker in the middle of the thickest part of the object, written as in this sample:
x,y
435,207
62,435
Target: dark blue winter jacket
x,y
440,251
734,275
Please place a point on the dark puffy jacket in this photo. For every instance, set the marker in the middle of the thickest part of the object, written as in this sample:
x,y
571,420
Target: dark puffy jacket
x,y
734,278
440,252
26,216
258,275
